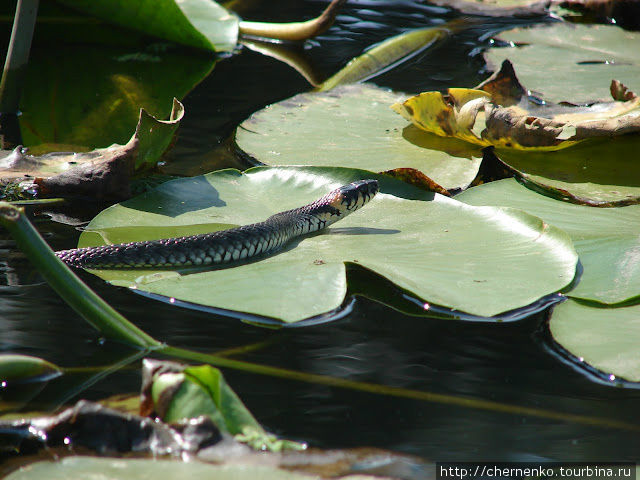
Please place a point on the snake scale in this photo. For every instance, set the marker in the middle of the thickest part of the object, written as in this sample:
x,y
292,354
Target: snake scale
x,y
227,246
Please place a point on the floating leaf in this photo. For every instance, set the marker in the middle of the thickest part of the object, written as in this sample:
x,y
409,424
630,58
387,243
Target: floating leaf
x,y
483,261
497,8
175,392
604,338
606,239
625,13
156,469
352,126
195,23
568,62
597,173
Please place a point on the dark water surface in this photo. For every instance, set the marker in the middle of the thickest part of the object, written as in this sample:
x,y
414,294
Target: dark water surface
x,y
509,364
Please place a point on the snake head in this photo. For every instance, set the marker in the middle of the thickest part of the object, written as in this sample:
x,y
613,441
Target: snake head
x,y
356,194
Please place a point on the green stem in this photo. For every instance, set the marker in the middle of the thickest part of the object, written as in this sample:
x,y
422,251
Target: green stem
x,y
80,297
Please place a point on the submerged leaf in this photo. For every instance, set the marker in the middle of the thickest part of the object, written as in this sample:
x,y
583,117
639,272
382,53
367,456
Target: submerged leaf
x,y
482,261
606,239
386,55
195,23
603,338
352,126
93,95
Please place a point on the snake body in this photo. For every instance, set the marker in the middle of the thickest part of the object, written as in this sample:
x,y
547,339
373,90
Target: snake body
x,y
226,246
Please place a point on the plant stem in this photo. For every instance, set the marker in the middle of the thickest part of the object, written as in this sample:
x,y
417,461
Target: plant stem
x,y
294,31
80,297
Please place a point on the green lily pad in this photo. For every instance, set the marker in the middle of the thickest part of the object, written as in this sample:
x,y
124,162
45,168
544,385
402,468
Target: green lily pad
x,y
195,23
603,338
353,126
93,95
151,469
482,261
596,173
606,239
568,62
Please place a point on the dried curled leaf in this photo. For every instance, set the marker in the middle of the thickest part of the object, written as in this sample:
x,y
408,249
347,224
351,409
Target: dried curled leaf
x,y
103,173
501,115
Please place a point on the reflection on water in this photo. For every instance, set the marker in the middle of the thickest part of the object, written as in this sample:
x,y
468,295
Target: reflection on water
x,y
506,364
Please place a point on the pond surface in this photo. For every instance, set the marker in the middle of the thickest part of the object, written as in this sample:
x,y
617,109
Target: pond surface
x,y
542,408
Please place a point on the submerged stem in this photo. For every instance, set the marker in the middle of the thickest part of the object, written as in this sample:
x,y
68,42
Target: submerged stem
x,y
459,401
294,31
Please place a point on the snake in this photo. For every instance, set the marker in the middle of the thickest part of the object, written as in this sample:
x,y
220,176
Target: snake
x,y
224,247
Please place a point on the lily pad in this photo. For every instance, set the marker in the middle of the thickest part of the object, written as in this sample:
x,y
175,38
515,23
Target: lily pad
x,y
606,239
353,126
482,261
567,62
596,173
152,469
603,338
195,23
497,8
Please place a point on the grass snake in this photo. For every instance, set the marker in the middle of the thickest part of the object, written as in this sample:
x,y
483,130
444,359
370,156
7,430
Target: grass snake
x,y
227,246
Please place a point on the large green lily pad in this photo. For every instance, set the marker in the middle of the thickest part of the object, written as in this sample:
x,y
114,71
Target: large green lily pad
x,y
152,469
568,62
606,239
604,338
482,261
195,23
598,172
353,126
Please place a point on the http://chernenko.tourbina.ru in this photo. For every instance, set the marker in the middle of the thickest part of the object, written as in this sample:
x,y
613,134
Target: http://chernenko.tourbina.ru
x,y
530,470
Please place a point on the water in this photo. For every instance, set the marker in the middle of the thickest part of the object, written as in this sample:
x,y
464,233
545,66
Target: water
x,y
510,364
